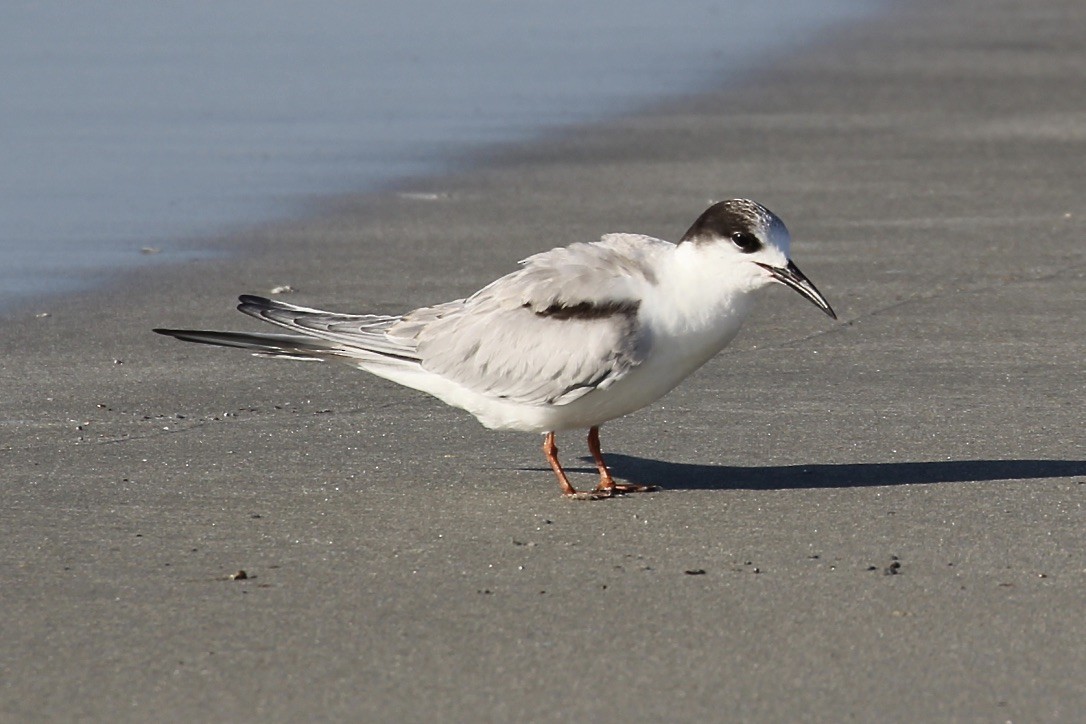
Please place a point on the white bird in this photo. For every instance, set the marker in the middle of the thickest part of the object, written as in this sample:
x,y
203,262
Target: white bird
x,y
577,336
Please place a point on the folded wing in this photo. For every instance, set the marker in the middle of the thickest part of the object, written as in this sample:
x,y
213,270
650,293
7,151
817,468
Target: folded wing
x,y
564,324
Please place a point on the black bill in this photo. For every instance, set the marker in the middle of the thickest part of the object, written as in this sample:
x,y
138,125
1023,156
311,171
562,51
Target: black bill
x,y
791,276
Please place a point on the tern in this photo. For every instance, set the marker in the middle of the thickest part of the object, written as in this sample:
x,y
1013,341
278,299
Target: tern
x,y
577,336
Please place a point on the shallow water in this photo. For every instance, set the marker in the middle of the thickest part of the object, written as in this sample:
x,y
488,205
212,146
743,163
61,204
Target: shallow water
x,y
128,126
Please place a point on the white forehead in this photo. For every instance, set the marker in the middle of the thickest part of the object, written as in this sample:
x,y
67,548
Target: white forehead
x,y
768,225
776,232
725,219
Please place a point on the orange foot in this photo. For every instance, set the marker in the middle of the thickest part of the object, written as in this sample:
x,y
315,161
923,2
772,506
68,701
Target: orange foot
x,y
611,491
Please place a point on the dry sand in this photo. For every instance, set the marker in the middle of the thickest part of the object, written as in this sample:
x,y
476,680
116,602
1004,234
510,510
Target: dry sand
x,y
879,519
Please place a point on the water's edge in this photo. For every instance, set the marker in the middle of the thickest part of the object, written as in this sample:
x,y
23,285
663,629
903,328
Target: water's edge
x,y
267,165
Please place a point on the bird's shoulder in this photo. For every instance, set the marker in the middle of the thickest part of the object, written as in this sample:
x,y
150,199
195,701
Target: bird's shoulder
x,y
563,324
614,270
618,254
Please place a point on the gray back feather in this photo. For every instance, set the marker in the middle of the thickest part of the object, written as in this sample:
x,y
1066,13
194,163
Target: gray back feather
x,y
563,324
548,333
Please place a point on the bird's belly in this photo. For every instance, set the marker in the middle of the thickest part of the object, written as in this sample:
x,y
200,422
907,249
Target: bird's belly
x,y
672,358
668,365
642,386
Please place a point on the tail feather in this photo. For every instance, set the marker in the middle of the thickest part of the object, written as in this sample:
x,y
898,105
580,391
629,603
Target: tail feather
x,y
290,346
320,335
365,332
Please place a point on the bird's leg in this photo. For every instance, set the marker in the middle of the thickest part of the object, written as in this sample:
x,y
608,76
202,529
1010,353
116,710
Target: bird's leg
x,y
550,449
607,485
606,481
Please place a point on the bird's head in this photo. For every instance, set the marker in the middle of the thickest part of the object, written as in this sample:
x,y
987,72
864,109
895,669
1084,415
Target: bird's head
x,y
754,243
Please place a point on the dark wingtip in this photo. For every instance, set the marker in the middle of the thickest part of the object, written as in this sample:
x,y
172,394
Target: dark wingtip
x,y
251,300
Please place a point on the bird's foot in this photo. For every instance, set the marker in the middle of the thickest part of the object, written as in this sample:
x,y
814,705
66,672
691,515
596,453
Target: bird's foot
x,y
625,488
602,493
596,494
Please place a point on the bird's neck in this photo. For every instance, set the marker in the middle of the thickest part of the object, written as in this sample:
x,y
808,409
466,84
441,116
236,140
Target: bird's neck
x,y
700,296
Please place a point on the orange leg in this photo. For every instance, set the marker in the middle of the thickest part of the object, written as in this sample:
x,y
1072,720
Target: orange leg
x,y
606,481
550,449
607,485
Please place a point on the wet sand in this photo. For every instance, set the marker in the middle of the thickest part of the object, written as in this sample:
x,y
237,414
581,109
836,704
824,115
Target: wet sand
x,y
880,518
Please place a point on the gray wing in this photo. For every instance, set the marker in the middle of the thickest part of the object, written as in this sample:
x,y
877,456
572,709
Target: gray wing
x,y
356,336
564,324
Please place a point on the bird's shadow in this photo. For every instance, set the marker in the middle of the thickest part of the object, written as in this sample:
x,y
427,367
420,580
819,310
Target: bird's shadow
x,y
689,476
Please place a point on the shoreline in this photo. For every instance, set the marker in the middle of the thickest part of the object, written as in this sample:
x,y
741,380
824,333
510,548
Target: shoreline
x,y
264,141
405,564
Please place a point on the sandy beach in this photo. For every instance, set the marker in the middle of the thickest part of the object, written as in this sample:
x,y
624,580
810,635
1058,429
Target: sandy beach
x,y
880,518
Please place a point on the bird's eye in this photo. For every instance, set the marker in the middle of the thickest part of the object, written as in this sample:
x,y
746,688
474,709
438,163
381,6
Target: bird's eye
x,y
746,242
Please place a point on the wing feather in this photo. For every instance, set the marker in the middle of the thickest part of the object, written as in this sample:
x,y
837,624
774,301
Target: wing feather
x,y
564,324
361,332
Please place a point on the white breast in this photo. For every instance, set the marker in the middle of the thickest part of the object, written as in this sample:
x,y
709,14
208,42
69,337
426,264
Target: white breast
x,y
689,316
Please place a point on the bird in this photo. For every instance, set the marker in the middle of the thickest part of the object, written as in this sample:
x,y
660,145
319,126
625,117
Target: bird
x,y
575,337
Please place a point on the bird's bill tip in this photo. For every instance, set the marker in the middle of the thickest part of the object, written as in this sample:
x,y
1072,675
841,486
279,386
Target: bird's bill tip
x,y
791,276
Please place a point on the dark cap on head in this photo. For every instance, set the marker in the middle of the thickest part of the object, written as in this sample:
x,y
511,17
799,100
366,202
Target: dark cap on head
x,y
722,220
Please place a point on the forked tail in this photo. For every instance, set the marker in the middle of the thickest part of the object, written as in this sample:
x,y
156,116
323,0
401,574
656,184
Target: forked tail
x,y
320,335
